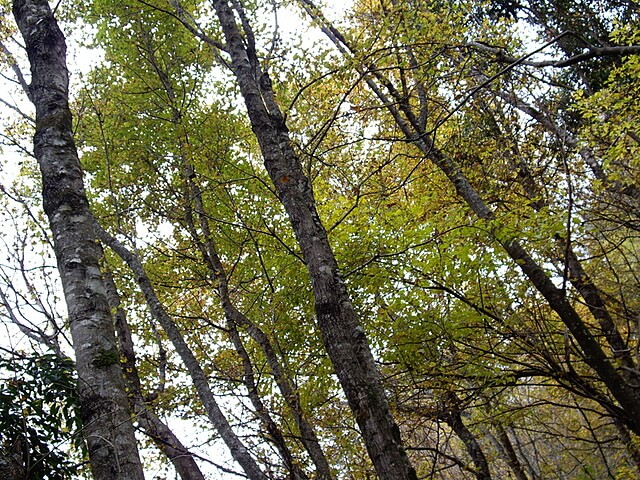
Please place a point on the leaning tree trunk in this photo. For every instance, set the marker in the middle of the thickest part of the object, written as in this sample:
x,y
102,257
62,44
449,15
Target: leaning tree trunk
x,y
343,336
239,451
452,416
107,426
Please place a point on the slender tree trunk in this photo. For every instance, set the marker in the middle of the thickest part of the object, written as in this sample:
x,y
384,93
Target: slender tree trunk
x,y
237,448
592,295
236,319
274,433
104,409
452,417
156,429
343,336
511,456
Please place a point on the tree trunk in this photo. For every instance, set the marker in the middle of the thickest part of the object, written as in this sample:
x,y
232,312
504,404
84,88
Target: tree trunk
x,y
237,448
343,336
452,417
511,456
150,423
108,430
11,466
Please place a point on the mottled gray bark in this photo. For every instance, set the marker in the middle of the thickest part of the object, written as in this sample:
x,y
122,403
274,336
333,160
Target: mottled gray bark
x,y
11,467
158,431
344,337
238,450
104,409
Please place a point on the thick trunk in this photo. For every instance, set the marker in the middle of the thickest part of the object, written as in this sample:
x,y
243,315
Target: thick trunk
x,y
343,336
11,467
631,444
104,408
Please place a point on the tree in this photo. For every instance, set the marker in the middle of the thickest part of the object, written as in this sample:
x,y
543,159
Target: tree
x,y
435,270
103,405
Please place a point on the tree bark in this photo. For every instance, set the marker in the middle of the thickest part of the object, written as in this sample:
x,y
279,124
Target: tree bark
x,y
237,448
511,456
104,410
343,336
11,467
151,424
452,417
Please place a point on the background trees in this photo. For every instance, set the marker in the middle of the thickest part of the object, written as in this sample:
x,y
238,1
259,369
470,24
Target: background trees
x,y
474,168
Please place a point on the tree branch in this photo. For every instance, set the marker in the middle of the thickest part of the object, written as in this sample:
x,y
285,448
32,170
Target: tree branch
x,y
591,52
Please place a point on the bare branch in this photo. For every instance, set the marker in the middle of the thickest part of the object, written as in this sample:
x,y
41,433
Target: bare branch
x,y
591,52
16,69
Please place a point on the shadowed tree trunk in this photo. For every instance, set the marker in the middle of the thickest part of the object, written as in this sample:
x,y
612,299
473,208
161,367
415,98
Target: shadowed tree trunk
x,y
453,417
11,468
511,457
104,409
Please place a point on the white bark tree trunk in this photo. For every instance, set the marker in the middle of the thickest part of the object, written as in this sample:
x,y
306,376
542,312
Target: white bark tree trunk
x,y
108,429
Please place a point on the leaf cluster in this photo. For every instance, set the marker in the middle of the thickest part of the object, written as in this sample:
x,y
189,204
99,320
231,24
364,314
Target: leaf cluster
x,y
39,419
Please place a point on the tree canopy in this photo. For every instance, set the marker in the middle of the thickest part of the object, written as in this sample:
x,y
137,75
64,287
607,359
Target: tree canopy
x,y
389,239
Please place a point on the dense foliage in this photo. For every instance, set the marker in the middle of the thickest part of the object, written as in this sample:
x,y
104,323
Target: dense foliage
x,y
38,420
476,168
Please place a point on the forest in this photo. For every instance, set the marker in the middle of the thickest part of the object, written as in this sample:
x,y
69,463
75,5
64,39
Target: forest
x,y
306,239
